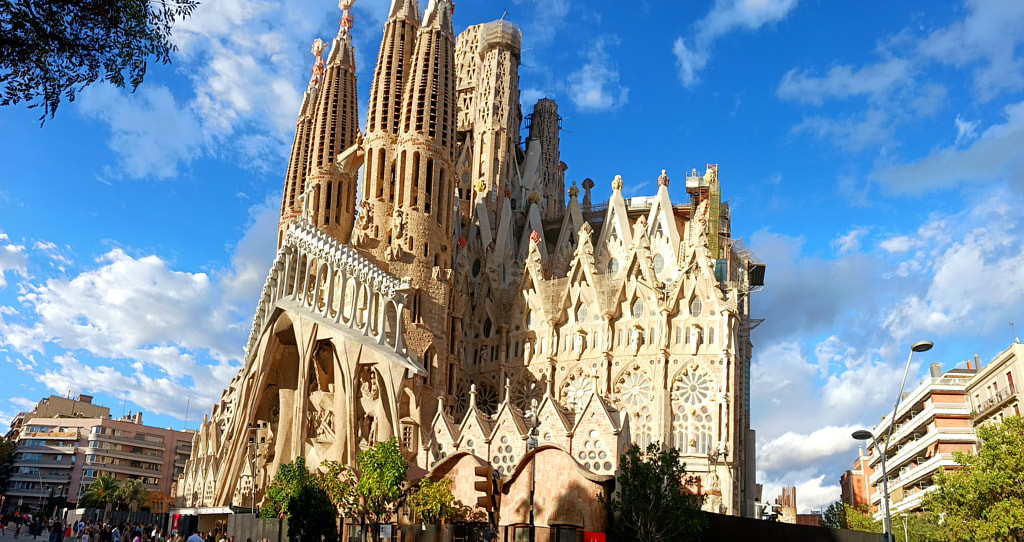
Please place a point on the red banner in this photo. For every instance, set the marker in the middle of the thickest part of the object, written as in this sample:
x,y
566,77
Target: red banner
x,y
174,522
593,537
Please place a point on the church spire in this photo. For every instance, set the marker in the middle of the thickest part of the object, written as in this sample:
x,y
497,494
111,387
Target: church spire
x,y
335,129
298,161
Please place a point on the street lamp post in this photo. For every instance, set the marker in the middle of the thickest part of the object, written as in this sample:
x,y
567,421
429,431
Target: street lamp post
x,y
920,346
531,445
253,448
906,535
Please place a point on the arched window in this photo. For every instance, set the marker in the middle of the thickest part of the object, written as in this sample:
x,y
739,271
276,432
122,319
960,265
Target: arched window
x,y
695,306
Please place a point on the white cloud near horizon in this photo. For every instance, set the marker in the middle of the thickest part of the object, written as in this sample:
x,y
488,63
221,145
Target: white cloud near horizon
x,y
692,55
134,323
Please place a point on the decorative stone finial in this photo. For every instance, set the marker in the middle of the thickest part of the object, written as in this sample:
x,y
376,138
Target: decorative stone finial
x,y
573,191
617,182
534,237
663,179
346,17
481,185
318,64
472,396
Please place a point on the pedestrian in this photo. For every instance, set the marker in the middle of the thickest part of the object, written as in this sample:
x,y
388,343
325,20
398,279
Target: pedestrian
x,y
17,530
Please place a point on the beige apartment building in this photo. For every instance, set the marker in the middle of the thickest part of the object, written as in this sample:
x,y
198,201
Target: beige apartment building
x,y
993,392
56,406
60,457
932,422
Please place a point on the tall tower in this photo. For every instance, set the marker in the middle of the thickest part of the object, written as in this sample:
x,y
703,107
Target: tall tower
x,y
424,157
488,90
382,126
298,161
331,202
544,126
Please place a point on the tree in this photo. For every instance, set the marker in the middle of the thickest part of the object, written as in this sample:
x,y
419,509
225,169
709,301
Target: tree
x,y
381,474
339,482
859,519
431,501
130,492
52,50
299,495
7,448
650,503
834,516
100,493
985,499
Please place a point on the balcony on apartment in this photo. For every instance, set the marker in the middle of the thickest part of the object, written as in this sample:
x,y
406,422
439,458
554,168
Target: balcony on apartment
x,y
51,435
996,402
917,446
43,478
123,469
127,454
137,440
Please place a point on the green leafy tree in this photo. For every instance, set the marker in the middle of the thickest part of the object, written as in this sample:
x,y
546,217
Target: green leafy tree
x,y
985,499
299,495
834,516
52,50
130,492
381,474
100,492
650,503
858,519
339,482
7,447
432,501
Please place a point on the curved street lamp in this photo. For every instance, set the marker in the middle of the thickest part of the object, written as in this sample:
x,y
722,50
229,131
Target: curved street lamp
x,y
920,346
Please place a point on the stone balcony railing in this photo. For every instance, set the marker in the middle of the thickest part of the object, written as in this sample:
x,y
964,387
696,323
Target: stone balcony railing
x,y
317,276
992,403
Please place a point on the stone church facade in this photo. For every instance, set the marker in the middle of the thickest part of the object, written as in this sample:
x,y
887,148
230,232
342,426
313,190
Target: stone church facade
x,y
453,297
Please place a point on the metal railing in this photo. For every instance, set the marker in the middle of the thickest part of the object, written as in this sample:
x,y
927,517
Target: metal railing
x,y
993,402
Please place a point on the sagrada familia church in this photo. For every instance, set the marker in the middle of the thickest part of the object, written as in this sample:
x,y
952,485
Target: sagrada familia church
x,y
452,297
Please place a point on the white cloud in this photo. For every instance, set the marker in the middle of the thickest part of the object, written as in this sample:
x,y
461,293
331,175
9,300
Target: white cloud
x,y
595,87
149,131
842,82
548,18
995,154
167,326
965,130
989,37
23,403
791,450
724,17
899,243
12,258
976,281
850,241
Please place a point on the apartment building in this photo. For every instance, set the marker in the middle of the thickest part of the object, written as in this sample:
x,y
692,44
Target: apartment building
x,y
932,422
854,486
56,406
57,458
993,393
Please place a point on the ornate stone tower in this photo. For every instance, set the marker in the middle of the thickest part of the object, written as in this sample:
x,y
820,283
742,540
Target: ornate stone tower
x,y
422,214
544,126
335,128
382,127
298,162
488,93
318,186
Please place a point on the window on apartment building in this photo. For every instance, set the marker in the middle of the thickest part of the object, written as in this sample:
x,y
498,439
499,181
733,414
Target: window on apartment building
x,y
1009,381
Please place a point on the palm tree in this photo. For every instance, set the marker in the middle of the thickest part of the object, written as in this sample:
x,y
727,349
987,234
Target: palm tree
x,y
100,492
131,492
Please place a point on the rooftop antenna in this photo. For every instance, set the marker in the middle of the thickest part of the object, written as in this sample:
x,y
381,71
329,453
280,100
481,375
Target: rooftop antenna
x,y
503,15
1014,332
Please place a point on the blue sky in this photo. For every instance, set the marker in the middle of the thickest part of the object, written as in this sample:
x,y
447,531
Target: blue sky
x,y
871,152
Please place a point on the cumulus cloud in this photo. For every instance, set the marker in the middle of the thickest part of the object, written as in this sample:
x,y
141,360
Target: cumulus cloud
x,y
966,130
12,258
842,82
989,39
595,87
23,403
795,450
134,323
725,16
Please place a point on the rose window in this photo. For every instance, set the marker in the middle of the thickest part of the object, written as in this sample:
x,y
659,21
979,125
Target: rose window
x,y
575,392
691,388
634,389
